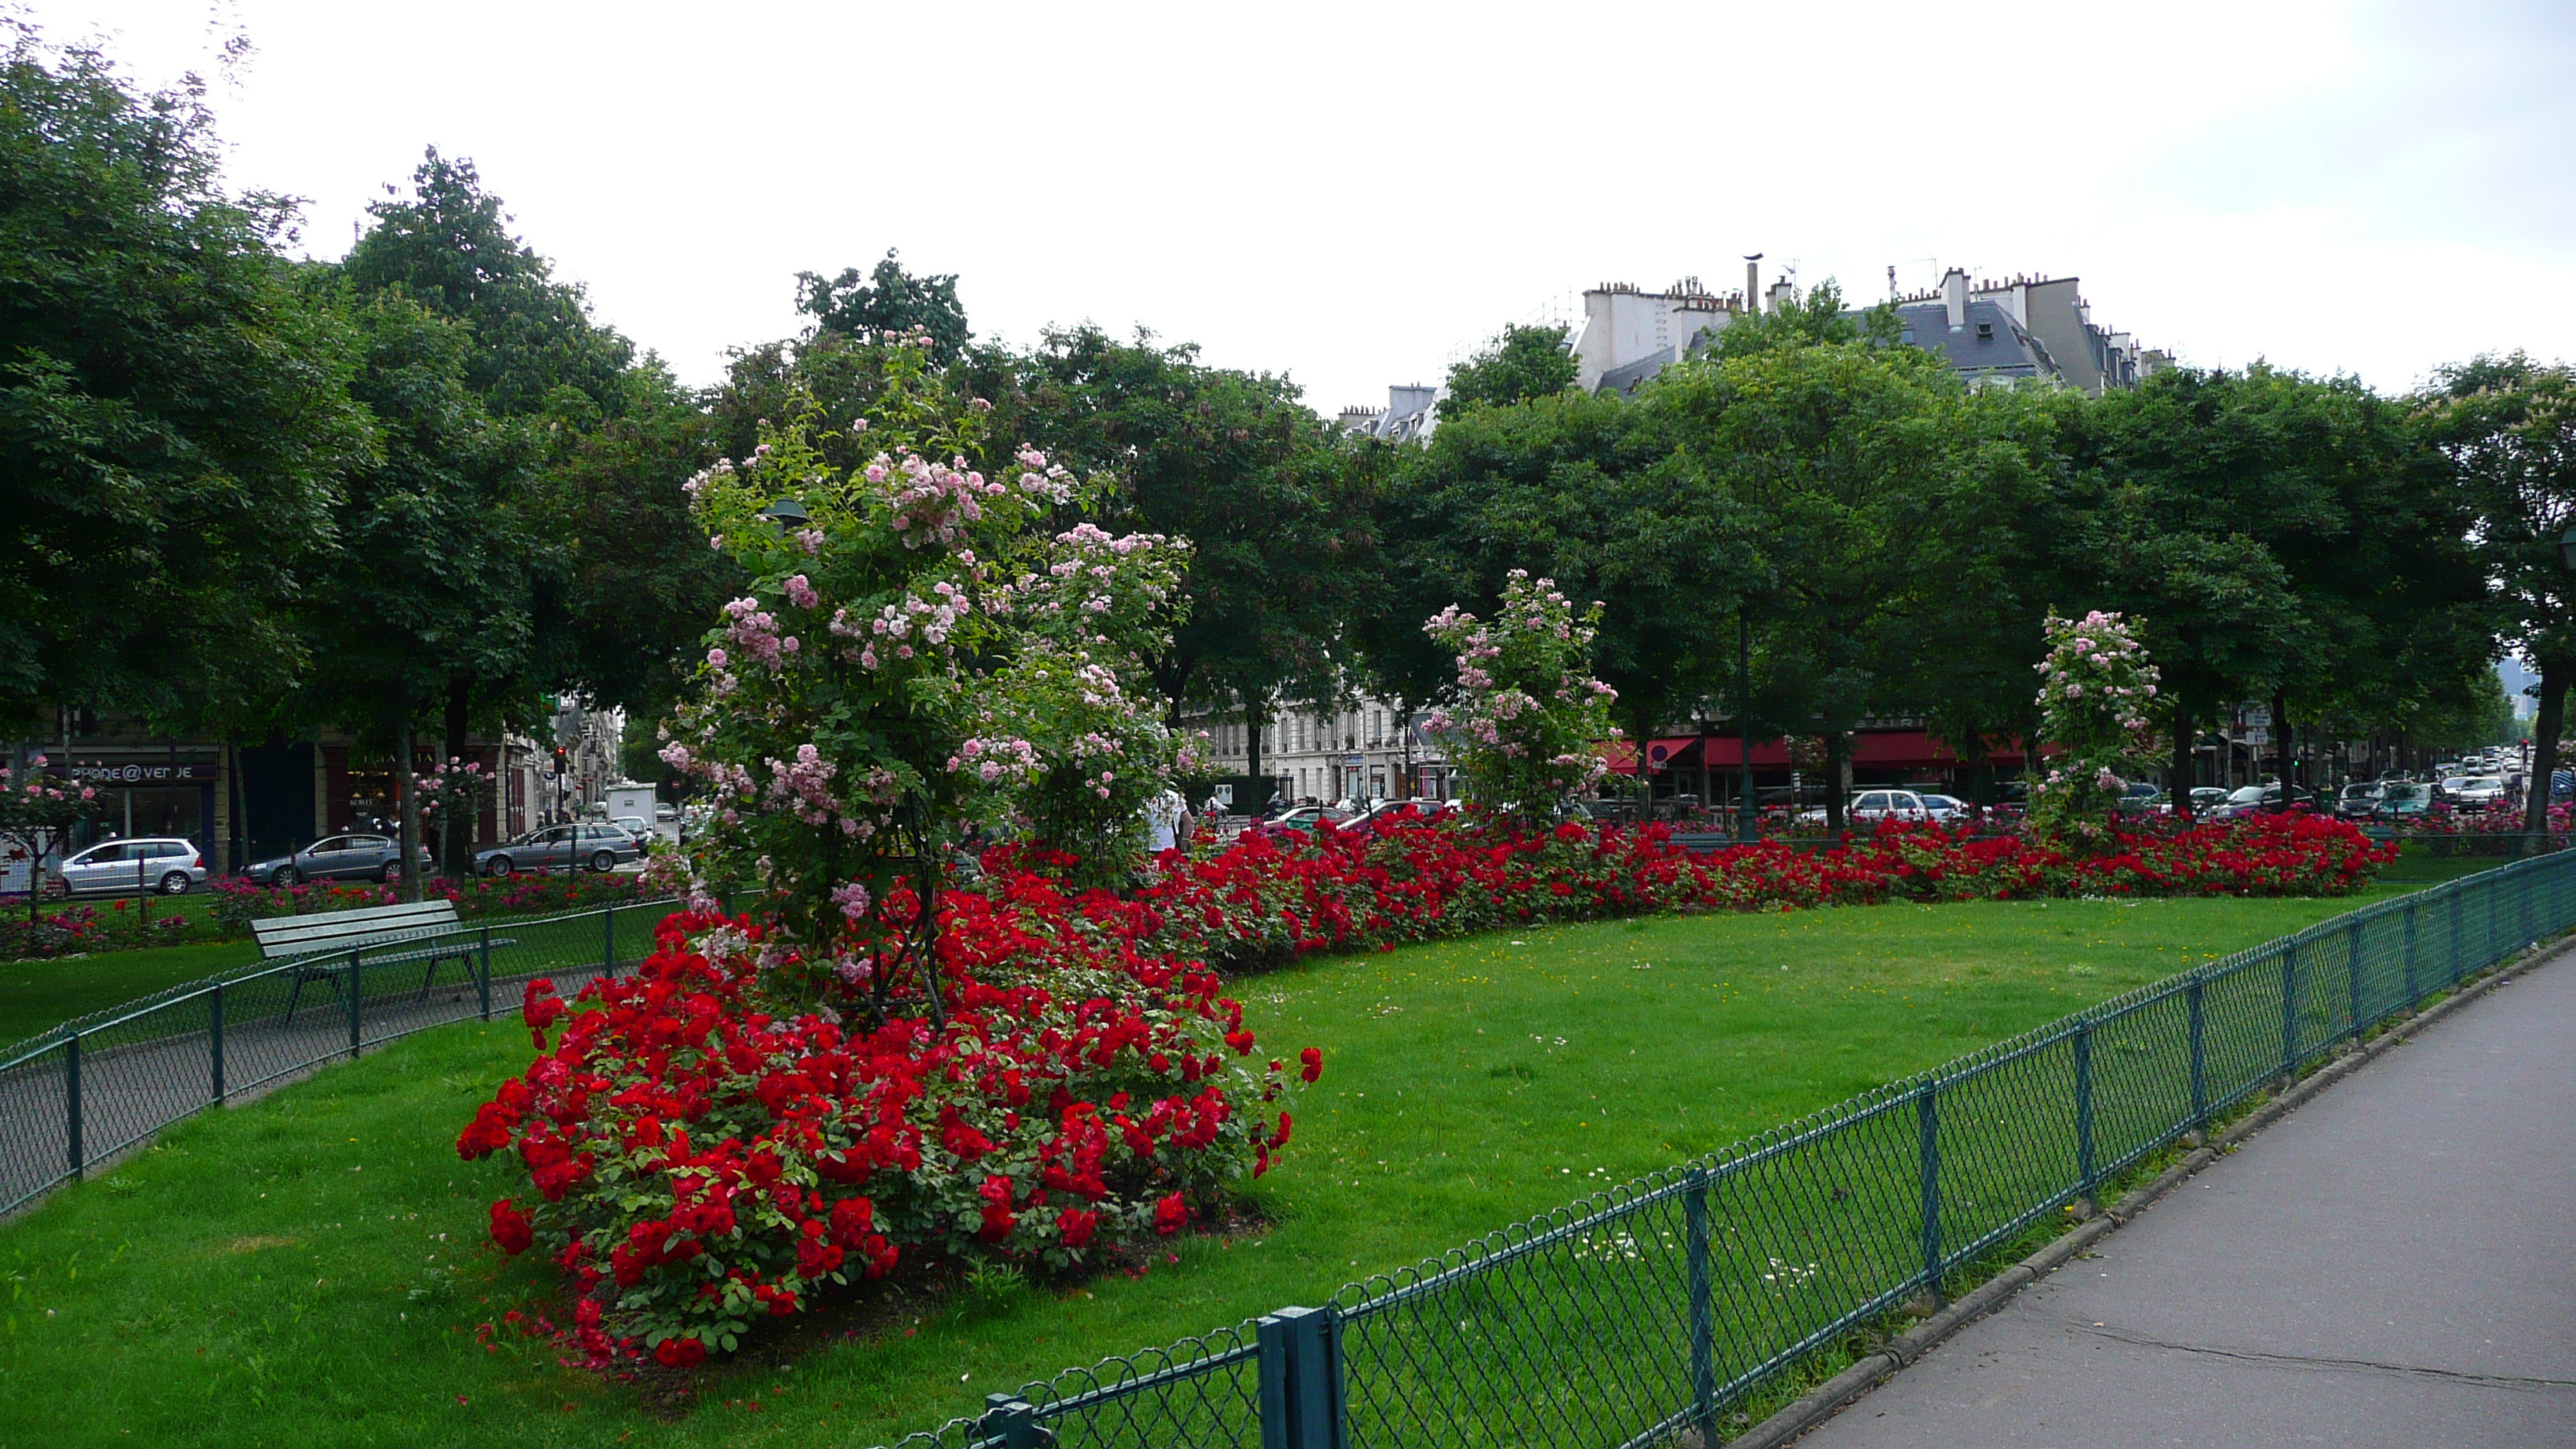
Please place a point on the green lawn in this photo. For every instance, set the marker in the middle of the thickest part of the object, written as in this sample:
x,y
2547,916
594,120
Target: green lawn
x,y
310,1269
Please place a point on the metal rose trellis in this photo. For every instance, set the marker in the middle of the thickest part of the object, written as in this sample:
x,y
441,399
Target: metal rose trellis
x,y
2094,692
1524,722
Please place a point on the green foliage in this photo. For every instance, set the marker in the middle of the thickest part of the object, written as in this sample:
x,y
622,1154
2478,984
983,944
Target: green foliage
x,y
448,246
1266,494
174,427
636,583
888,302
1522,363
1816,320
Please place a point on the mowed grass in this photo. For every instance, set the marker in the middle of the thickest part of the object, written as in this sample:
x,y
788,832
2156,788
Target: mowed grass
x,y
310,1269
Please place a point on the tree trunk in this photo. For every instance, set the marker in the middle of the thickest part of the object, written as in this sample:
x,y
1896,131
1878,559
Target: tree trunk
x,y
455,829
2281,744
2184,738
1834,783
2546,726
1981,771
1254,809
407,799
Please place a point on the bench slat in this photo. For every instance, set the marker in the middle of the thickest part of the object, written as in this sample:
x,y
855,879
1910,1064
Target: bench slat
x,y
349,930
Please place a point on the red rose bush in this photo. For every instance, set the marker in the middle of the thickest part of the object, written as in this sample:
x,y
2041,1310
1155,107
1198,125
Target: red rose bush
x,y
699,1164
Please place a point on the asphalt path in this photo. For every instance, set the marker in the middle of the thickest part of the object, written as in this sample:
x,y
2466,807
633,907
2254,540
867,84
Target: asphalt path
x,y
2393,1263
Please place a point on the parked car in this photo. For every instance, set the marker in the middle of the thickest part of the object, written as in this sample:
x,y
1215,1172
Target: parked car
x,y
637,828
2248,799
1872,806
168,865
1425,811
2356,800
2142,798
2474,792
2402,800
1949,809
1304,820
356,856
596,847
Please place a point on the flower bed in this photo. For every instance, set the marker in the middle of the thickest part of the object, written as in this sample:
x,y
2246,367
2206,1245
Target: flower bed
x,y
1261,901
703,1157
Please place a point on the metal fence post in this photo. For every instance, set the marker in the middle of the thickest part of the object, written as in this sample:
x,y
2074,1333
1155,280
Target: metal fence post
x,y
2199,1057
2414,993
1300,1359
2084,1108
483,982
1927,1111
354,968
1012,1423
72,1099
2289,1008
608,947
2352,969
2459,909
1703,1324
215,1039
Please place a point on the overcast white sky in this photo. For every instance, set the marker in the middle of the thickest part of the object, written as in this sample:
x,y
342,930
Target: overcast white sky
x,y
1353,194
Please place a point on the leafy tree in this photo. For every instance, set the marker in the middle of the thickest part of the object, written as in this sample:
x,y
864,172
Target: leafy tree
x,y
439,566
887,300
590,577
639,585
2157,515
1591,490
1523,362
1234,463
1963,623
173,422
1818,319
2508,425
1824,449
448,246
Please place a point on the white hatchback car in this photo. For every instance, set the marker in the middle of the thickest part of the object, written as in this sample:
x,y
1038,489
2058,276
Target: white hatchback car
x,y
168,865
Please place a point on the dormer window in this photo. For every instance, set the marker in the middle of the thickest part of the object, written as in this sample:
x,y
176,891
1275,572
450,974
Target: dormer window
x,y
1985,332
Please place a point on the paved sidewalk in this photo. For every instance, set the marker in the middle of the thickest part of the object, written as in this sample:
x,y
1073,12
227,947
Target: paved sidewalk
x,y
2392,1264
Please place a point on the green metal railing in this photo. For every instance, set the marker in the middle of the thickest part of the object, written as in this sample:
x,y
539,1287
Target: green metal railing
x,y
92,1087
1660,1306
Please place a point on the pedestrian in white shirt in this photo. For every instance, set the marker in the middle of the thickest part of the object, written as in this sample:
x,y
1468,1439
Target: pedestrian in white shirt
x,y
1163,816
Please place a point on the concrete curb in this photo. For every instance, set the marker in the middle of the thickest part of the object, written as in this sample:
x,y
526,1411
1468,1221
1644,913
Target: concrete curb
x,y
1843,1389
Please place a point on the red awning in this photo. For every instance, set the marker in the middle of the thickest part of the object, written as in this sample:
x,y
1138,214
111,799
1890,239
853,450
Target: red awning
x,y
1876,749
1727,752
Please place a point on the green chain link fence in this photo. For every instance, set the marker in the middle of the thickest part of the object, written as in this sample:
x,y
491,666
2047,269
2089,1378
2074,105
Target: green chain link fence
x,y
87,1089
1657,1308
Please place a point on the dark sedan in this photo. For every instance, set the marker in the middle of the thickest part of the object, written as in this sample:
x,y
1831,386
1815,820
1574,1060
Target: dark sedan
x,y
338,857
597,847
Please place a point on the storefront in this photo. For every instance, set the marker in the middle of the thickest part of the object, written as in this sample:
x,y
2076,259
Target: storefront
x,y
164,792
